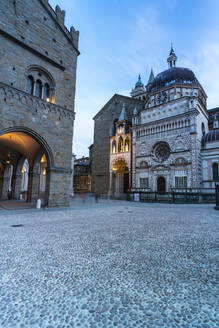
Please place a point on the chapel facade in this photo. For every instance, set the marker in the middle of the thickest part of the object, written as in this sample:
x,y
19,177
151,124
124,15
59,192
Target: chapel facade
x,y
167,141
38,61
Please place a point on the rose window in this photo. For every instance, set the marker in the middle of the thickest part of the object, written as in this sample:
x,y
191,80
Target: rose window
x,y
161,152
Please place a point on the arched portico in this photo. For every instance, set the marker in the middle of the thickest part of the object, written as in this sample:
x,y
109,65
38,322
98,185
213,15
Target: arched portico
x,y
26,160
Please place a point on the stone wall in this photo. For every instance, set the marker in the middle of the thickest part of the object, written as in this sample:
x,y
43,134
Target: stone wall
x,y
103,126
33,34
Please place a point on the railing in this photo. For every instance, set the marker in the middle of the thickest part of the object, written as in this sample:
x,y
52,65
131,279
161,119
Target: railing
x,y
186,195
10,95
217,196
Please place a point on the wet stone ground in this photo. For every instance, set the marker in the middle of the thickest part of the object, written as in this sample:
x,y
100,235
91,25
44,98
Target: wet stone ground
x,y
113,264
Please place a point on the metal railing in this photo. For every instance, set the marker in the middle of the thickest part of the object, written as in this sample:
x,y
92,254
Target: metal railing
x,y
217,196
186,195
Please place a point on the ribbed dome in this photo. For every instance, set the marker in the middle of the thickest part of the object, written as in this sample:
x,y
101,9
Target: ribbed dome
x,y
173,75
211,136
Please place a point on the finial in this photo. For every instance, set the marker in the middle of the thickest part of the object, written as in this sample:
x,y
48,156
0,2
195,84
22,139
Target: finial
x,y
172,57
139,83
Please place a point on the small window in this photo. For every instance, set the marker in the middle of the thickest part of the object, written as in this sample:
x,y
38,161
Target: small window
x,y
46,92
180,182
30,84
113,147
127,145
215,171
120,145
144,183
38,89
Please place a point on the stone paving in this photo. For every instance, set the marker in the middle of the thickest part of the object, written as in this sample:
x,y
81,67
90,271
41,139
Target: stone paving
x,y
111,264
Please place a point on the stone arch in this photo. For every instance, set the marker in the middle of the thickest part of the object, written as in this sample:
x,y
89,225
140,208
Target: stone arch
x,y
37,137
24,143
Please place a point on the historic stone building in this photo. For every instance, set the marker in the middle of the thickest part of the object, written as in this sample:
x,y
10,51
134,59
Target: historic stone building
x,y
105,126
161,140
82,180
38,60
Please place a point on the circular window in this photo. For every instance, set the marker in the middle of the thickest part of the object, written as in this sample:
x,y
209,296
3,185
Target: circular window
x,y
161,152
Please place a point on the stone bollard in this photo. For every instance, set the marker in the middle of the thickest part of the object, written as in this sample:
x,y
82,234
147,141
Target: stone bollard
x,y
38,204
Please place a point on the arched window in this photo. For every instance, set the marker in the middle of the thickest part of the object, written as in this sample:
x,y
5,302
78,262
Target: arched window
x,y
203,129
126,144
30,84
215,171
38,89
120,145
40,83
113,147
46,92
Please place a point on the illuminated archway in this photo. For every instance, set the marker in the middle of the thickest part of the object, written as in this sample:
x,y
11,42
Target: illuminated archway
x,y
120,177
31,158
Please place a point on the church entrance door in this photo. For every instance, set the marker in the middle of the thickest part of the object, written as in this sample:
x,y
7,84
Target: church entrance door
x,y
161,185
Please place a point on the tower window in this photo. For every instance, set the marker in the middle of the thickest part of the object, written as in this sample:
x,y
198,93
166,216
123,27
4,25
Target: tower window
x,y
215,171
30,84
46,92
38,89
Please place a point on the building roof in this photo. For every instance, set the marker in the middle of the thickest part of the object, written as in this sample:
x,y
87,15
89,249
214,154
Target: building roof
x,y
173,75
117,96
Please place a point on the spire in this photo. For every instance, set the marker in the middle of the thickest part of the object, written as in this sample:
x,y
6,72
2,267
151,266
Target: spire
x,y
171,60
135,112
151,77
139,84
123,114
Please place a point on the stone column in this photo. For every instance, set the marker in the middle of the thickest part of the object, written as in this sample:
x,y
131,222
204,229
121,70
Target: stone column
x,y
35,186
5,186
110,184
29,188
17,185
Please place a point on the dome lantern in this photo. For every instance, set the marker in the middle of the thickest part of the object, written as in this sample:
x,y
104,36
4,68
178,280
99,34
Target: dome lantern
x,y
139,84
171,60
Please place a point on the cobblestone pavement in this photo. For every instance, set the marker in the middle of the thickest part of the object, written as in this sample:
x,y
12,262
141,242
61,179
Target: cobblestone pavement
x,y
112,264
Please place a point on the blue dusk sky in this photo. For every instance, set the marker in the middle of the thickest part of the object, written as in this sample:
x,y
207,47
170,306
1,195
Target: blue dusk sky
x,y
121,38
